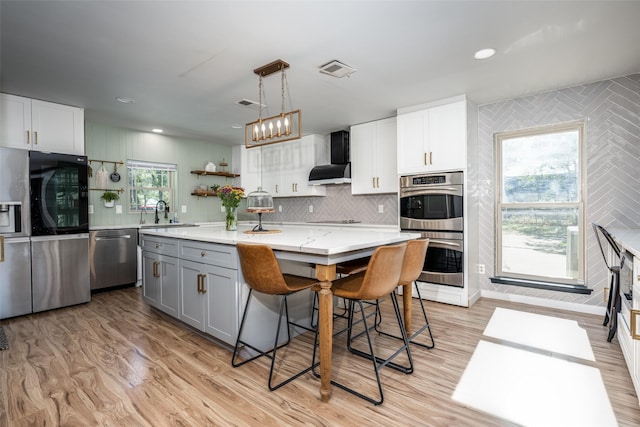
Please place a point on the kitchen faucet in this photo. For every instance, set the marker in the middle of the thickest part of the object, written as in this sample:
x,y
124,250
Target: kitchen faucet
x,y
163,207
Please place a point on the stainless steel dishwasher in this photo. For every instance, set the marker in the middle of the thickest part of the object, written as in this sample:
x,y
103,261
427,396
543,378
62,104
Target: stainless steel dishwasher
x,y
113,257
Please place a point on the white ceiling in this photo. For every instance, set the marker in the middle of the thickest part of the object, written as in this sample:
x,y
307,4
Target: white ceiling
x,y
186,63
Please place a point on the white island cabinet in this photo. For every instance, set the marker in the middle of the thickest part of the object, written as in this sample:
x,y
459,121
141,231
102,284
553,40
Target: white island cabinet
x,y
628,332
31,124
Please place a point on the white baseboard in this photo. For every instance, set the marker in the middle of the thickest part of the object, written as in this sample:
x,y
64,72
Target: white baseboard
x,y
544,302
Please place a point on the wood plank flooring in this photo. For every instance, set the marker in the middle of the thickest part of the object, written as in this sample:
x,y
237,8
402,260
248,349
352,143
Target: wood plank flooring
x,y
116,362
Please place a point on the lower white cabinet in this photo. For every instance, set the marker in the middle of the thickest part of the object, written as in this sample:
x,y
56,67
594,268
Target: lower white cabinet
x,y
629,323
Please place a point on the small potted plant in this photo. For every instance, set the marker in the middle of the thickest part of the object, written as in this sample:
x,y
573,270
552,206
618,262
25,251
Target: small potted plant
x,y
109,198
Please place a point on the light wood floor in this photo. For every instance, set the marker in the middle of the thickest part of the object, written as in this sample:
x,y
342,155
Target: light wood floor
x,y
116,362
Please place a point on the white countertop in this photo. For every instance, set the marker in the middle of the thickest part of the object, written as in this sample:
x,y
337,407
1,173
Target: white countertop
x,y
628,239
303,238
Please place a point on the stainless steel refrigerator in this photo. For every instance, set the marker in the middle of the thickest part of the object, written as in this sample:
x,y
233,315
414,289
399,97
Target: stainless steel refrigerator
x,y
59,205
15,229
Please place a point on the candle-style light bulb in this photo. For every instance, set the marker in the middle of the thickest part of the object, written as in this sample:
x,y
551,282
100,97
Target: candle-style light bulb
x,y
264,131
286,126
279,125
270,129
256,133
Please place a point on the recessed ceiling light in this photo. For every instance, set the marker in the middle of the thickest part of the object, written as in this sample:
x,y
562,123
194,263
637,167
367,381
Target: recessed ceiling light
x,y
236,126
484,53
125,100
157,130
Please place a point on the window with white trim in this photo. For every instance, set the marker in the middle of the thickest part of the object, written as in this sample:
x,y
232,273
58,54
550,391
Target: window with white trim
x,y
540,207
149,183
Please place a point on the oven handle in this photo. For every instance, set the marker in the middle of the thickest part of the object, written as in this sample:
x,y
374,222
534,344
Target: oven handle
x,y
428,191
443,242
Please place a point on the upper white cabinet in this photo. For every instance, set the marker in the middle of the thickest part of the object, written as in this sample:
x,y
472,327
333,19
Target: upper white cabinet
x,y
247,164
373,157
285,166
30,124
433,138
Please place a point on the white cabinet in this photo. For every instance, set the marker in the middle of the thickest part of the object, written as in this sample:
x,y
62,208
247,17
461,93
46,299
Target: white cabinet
x,y
209,289
247,164
160,274
31,124
373,157
628,323
433,138
286,166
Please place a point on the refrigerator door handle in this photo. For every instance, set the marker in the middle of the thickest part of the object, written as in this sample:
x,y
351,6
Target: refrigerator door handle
x,y
1,248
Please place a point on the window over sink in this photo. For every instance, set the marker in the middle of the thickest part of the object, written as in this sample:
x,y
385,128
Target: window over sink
x,y
540,206
149,183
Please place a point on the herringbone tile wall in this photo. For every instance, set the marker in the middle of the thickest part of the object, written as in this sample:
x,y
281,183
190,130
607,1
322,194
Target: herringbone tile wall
x,y
338,204
611,111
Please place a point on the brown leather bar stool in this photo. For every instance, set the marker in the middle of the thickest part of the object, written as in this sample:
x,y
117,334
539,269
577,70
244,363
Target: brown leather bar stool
x,y
262,273
412,265
377,281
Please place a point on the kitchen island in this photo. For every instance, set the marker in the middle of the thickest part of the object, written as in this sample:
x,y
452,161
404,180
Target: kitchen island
x,y
174,257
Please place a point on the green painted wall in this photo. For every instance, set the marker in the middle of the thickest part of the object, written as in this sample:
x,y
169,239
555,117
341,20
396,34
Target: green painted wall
x,y
106,142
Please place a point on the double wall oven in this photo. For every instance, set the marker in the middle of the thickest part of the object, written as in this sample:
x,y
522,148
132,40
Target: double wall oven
x,y
432,205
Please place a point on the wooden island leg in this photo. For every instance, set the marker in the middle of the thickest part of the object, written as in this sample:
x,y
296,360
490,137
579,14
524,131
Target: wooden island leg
x,y
325,274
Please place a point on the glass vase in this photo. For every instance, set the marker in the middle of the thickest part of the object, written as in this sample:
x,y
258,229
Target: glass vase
x,y
231,218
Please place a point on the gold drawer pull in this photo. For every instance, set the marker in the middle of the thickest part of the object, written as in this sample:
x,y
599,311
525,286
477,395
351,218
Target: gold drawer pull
x,y
203,253
28,137
634,315
1,248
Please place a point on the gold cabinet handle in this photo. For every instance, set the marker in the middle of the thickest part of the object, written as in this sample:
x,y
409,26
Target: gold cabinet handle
x,y
373,182
155,269
36,137
425,159
203,253
633,317
28,137
430,157
198,283
157,245
1,248
204,291
377,182
276,188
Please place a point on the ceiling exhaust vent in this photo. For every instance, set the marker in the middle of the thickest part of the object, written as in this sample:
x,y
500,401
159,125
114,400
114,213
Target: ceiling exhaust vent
x,y
249,103
337,69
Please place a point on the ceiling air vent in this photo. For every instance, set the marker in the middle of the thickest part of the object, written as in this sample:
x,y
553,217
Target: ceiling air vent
x,y
249,103
337,69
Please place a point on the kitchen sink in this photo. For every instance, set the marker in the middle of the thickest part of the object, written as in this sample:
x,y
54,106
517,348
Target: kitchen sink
x,y
171,225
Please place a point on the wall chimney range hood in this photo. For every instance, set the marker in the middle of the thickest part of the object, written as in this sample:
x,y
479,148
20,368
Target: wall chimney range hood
x,y
339,171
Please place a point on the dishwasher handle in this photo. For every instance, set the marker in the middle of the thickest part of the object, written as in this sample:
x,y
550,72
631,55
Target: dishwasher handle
x,y
123,236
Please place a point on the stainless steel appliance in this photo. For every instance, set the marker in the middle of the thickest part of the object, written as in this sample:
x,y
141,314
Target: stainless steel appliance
x,y
59,230
15,254
433,205
113,258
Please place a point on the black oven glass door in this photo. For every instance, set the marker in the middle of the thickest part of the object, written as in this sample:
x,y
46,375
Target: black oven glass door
x,y
59,194
431,210
444,262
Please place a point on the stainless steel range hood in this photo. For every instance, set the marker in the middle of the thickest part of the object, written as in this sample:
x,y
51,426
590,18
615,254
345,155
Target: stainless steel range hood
x,y
339,171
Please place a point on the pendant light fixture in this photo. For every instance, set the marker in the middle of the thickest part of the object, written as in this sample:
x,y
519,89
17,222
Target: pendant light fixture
x,y
282,127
